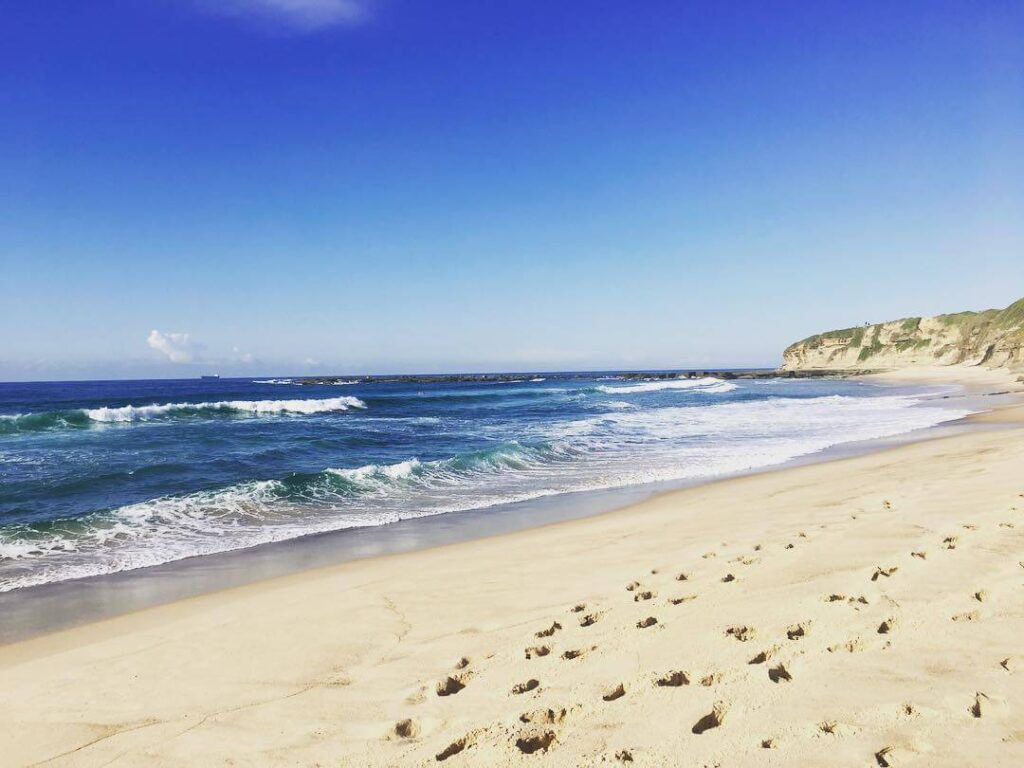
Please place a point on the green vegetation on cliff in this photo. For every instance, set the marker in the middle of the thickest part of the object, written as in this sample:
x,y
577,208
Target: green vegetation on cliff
x,y
1011,317
874,347
993,338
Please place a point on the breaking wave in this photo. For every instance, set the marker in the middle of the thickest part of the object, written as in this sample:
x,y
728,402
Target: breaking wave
x,y
85,417
260,512
597,452
705,385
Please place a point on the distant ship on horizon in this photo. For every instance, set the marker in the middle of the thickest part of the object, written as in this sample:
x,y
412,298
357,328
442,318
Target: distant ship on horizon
x,y
211,376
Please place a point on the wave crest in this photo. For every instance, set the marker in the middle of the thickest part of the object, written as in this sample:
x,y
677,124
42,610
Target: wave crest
x,y
705,385
81,418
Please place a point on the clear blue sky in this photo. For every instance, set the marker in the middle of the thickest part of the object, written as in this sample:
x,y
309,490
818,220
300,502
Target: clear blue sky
x,y
395,185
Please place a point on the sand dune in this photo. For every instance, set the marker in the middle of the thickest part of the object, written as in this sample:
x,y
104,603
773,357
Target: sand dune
x,y
865,612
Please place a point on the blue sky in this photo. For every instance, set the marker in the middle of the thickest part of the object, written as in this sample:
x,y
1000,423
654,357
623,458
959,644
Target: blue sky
x,y
304,186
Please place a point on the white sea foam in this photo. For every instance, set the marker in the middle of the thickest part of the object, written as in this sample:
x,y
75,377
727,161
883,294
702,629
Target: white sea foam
x,y
130,413
298,383
804,425
706,384
374,474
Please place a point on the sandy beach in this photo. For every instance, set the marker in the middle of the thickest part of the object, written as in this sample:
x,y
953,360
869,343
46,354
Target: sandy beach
x,y
866,611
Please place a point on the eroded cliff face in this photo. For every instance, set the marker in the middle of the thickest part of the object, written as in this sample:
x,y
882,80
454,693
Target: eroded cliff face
x,y
992,339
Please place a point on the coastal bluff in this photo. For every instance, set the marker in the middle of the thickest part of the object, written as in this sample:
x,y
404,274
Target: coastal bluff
x,y
993,338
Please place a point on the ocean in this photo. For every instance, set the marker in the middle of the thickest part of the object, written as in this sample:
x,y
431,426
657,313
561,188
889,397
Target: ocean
x,y
109,476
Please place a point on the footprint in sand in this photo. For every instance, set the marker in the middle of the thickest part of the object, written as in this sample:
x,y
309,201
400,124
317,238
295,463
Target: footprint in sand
x,y
407,729
981,595
837,597
452,684
535,741
633,585
537,651
780,673
713,719
887,626
987,706
615,693
549,631
650,621
457,746
644,595
529,685
764,655
681,600
590,619
797,631
832,728
728,578
544,716
578,608
856,645
741,633
950,542
890,757
922,555
884,572
682,577
673,679
711,679
577,653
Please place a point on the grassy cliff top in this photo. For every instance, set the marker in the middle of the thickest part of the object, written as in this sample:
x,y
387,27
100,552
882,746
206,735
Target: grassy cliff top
x,y
1011,317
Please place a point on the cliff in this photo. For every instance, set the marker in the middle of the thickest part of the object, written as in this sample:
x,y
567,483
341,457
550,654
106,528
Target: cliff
x,y
993,338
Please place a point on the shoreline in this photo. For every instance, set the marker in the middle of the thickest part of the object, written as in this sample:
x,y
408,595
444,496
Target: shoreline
x,y
42,609
328,664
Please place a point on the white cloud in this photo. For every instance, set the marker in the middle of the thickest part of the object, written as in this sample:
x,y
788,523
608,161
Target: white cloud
x,y
178,347
302,15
